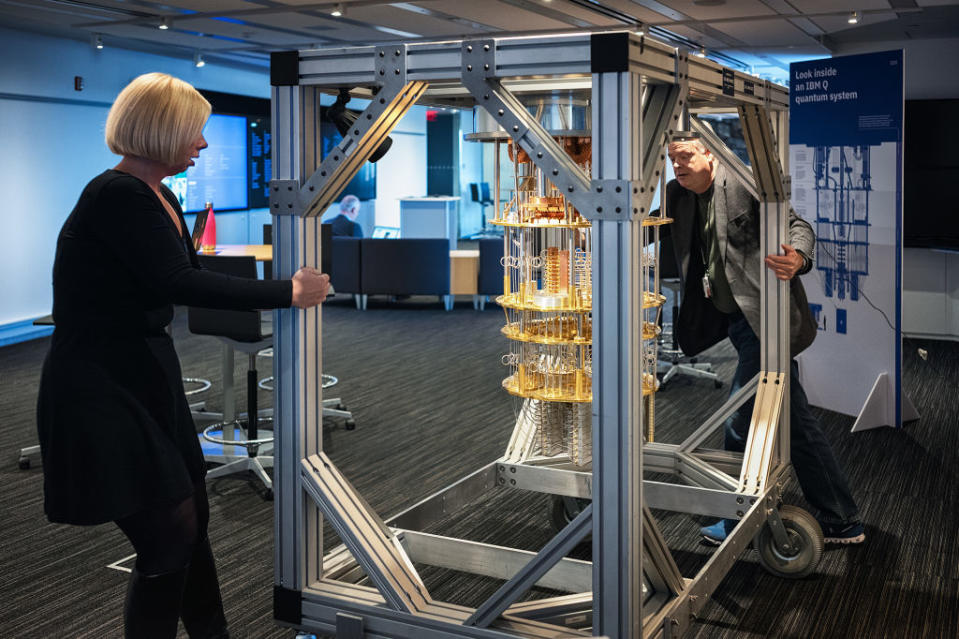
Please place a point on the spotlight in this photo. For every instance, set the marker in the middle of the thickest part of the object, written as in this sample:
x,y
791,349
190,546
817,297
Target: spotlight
x,y
701,53
338,10
640,29
853,18
97,41
343,119
164,24
198,60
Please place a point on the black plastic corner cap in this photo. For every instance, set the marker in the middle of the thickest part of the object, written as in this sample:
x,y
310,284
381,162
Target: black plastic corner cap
x,y
285,68
287,604
609,52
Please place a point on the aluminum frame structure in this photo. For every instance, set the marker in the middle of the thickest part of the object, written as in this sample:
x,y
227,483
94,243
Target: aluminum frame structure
x,y
642,90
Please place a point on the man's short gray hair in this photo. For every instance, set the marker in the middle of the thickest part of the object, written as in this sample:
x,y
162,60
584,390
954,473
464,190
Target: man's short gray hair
x,y
349,203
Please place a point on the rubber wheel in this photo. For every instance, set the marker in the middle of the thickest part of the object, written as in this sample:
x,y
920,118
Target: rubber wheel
x,y
24,463
564,509
351,424
805,537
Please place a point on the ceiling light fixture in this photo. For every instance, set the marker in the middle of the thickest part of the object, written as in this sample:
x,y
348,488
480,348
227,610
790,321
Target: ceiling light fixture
x,y
97,41
701,53
338,10
640,29
164,24
198,60
853,18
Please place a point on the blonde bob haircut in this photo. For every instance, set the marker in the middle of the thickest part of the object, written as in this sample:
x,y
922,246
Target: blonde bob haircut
x,y
156,117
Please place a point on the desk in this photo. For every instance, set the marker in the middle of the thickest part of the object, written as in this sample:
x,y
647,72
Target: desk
x,y
429,217
262,252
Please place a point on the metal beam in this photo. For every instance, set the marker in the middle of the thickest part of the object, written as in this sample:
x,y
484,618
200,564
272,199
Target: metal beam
x,y
373,544
557,548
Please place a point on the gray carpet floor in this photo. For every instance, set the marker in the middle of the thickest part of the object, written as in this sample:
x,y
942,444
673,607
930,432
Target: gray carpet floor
x,y
424,386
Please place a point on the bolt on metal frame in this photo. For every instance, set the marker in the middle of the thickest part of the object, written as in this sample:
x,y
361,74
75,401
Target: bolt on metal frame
x,y
642,90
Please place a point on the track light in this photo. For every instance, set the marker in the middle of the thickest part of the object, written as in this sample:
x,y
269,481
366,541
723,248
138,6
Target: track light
x,y
853,18
640,29
164,24
344,119
97,41
338,10
701,53
198,60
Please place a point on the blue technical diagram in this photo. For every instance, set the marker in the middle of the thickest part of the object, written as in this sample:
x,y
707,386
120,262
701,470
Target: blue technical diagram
x,y
843,184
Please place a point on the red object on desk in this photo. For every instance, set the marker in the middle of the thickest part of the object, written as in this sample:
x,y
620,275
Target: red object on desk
x,y
208,243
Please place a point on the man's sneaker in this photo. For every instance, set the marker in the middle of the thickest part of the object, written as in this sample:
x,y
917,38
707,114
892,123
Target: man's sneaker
x,y
716,534
843,533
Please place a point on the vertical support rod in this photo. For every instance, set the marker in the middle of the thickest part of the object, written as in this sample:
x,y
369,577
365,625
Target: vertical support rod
x,y
617,372
296,346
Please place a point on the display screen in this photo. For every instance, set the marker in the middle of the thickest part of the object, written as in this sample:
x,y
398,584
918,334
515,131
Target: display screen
x,y
220,175
261,169
930,171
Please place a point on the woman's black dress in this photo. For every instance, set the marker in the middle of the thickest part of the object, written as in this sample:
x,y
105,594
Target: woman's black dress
x,y
116,434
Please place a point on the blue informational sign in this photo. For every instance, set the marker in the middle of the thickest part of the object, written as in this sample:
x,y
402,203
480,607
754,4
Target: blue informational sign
x,y
845,101
845,137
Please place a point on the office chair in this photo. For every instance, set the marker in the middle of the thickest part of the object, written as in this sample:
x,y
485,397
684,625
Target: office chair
x,y
248,332
669,348
334,406
479,193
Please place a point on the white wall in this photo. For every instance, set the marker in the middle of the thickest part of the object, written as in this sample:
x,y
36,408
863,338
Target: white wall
x,y
53,145
929,74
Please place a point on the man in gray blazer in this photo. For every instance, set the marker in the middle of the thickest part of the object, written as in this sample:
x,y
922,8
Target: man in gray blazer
x,y
715,236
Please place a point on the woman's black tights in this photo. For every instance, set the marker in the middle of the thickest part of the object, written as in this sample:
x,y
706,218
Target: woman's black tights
x,y
174,576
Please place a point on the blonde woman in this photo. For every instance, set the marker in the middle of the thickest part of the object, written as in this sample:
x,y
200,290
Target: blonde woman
x,y
117,438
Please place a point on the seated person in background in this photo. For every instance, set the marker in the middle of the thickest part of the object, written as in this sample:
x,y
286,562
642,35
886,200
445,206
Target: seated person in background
x,y
344,224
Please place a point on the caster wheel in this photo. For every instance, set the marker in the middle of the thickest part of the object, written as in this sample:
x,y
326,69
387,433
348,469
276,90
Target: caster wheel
x,y
268,495
806,543
564,509
351,424
717,383
24,463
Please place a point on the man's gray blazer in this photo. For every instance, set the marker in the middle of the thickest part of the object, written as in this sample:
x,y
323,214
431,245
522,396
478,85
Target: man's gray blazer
x,y
700,325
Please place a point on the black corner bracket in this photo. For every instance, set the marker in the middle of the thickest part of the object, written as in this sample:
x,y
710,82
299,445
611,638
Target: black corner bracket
x,y
287,605
285,68
609,52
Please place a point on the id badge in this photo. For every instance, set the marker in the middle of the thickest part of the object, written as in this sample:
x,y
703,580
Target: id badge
x,y
707,287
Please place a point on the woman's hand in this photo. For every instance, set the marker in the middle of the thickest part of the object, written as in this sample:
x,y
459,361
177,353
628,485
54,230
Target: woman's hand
x,y
309,287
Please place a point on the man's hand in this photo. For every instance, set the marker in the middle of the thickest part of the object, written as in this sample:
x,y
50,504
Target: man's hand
x,y
785,266
309,287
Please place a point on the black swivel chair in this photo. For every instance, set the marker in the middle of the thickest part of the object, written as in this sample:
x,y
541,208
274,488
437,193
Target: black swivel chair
x,y
248,332
669,348
479,193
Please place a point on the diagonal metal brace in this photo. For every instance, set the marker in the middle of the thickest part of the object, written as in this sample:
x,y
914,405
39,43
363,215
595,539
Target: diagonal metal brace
x,y
478,69
373,545
557,548
376,122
